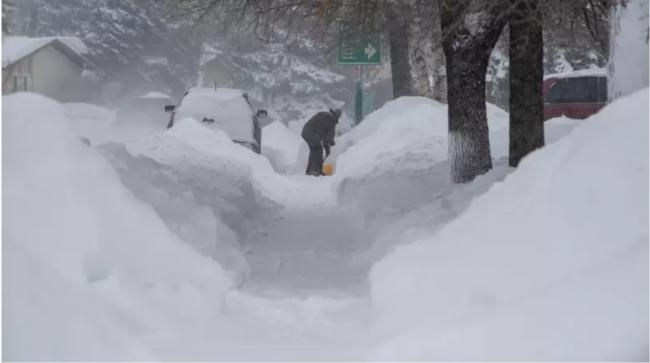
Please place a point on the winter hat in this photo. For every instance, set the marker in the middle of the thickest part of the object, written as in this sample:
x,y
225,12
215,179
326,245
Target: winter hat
x,y
336,112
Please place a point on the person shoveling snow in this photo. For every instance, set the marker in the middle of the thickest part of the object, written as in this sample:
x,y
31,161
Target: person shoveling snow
x,y
318,132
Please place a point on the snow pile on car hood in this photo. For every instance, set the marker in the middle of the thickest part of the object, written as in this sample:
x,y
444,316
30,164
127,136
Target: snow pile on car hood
x,y
550,264
90,271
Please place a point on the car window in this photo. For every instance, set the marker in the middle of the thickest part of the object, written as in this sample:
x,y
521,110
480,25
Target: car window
x,y
602,89
556,92
578,90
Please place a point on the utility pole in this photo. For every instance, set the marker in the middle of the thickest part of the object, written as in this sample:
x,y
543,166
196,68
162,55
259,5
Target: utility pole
x,y
358,98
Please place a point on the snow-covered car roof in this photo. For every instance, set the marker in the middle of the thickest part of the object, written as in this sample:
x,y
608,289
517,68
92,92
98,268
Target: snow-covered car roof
x,y
599,72
159,95
220,93
226,107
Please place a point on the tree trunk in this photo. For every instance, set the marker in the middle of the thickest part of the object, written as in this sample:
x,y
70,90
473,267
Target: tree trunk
x,y
526,78
396,14
420,47
32,21
421,85
469,143
439,75
470,31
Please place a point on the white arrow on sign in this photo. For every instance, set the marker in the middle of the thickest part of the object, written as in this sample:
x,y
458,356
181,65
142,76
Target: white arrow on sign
x,y
370,51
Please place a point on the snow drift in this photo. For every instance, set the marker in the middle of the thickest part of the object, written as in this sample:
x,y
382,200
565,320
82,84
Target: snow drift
x,y
187,216
193,151
628,48
281,147
90,271
550,264
398,155
394,168
93,122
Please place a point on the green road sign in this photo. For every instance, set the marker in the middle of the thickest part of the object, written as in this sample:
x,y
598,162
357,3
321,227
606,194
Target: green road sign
x,y
354,47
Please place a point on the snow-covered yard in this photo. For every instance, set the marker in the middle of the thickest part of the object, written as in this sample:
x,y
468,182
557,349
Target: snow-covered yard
x,y
182,245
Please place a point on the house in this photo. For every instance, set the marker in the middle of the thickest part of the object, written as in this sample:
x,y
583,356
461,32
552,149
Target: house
x,y
51,66
220,72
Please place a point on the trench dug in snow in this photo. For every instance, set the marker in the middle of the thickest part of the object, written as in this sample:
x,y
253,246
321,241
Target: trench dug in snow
x,y
307,244
308,248
185,246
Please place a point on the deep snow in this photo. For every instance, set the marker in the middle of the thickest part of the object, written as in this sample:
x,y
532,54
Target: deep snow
x,y
182,245
281,147
90,271
550,264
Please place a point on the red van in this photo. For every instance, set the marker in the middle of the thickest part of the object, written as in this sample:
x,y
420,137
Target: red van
x,y
576,95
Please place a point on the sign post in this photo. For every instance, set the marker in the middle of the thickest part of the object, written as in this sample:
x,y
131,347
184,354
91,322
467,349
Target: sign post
x,y
356,48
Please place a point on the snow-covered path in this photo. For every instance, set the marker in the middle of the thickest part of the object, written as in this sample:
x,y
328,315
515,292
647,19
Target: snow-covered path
x,y
308,249
306,295
310,245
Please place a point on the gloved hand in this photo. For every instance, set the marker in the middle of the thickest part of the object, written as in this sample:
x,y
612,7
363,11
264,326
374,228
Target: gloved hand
x,y
327,150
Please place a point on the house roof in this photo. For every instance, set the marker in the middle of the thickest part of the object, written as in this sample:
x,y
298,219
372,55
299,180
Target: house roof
x,y
17,48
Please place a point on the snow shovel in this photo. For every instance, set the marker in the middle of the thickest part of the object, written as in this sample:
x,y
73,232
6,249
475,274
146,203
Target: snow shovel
x,y
328,169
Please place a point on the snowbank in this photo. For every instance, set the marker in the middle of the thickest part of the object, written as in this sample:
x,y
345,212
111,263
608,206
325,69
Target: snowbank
x,y
187,216
280,146
406,110
398,155
91,273
91,121
239,185
432,208
628,48
551,264
190,144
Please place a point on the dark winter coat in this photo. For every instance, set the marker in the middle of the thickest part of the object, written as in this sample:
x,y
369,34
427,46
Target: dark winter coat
x,y
320,129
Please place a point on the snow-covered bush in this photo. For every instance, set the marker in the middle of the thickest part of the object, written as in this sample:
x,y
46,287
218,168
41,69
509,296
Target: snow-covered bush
x,y
550,264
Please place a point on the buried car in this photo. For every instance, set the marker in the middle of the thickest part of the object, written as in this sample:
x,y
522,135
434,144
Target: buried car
x,y
575,95
224,109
